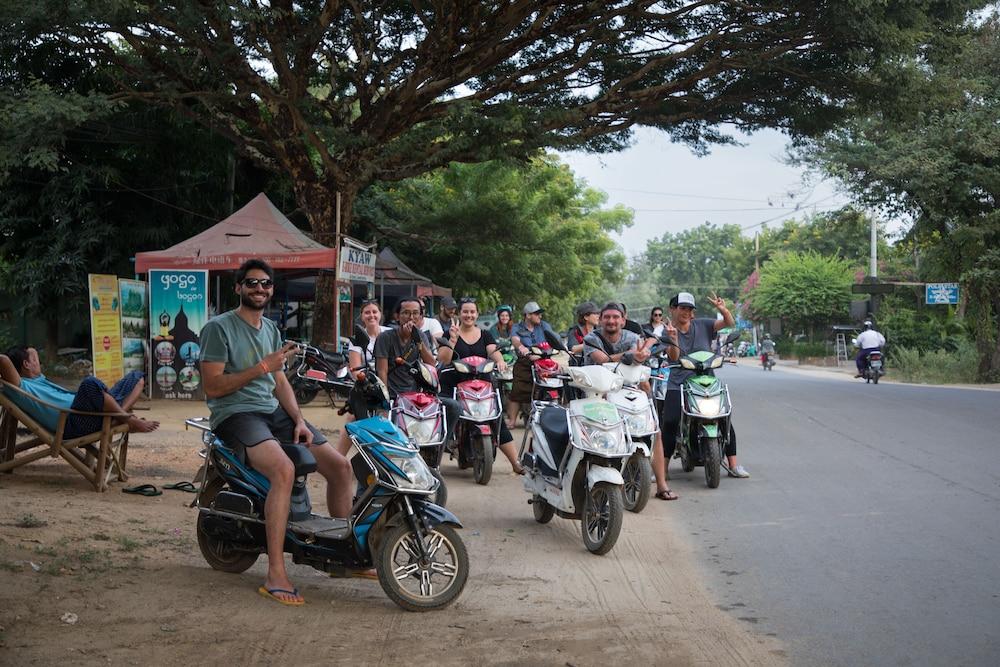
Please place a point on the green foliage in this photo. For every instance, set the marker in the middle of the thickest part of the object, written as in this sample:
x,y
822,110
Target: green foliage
x,y
704,259
504,232
956,366
806,290
938,161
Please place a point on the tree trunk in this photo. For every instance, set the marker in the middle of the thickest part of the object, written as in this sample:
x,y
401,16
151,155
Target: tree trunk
x,y
319,201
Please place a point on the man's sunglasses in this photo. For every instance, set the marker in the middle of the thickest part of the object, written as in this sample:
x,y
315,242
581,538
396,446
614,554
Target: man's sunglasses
x,y
266,283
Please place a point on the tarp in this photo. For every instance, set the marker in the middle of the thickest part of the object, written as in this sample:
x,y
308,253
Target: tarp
x,y
258,230
390,270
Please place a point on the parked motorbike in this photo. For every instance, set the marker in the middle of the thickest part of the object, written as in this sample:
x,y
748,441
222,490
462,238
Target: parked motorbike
x,y
573,458
422,418
477,433
313,370
642,424
506,376
705,412
421,561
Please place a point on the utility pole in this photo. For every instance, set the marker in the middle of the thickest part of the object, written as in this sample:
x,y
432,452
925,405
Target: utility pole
x,y
756,252
873,269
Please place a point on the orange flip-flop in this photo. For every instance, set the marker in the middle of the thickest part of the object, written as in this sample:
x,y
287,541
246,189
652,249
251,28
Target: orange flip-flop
x,y
270,593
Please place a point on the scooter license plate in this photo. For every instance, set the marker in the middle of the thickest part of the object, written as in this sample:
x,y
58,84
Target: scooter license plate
x,y
876,364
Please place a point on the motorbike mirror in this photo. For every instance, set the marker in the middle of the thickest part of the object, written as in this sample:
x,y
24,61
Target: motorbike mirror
x,y
666,341
733,337
361,338
443,342
554,340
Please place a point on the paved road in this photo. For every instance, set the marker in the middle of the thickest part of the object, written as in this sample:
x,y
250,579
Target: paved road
x,y
869,532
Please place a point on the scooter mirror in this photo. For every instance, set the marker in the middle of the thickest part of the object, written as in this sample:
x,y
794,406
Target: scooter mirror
x,y
443,342
554,340
361,338
733,337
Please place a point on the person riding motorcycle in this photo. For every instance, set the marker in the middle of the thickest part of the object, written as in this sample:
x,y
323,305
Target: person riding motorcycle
x,y
530,331
766,347
357,358
587,318
868,341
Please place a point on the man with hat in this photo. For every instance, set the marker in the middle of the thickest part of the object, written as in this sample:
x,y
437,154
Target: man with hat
x,y
691,335
447,314
526,333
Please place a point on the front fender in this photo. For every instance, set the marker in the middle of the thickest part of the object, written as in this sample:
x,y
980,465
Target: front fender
x,y
709,430
597,474
433,515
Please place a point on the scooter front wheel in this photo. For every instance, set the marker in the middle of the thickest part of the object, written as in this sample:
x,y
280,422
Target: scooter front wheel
x,y
712,458
636,472
425,571
601,521
482,460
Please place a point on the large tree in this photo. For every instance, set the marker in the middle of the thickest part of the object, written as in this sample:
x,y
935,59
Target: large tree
x,y
341,93
806,290
939,165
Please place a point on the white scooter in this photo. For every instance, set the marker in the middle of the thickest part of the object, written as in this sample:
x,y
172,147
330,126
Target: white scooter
x,y
642,425
573,458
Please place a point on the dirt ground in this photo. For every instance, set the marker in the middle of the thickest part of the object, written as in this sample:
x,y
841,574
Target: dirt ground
x,y
117,579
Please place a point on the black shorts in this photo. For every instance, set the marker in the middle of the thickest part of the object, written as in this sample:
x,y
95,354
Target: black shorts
x,y
249,429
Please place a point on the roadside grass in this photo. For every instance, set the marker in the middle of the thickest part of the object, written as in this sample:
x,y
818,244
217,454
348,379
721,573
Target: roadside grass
x,y
938,367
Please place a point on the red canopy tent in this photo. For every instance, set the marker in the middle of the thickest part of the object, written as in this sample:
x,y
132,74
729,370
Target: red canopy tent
x,y
258,229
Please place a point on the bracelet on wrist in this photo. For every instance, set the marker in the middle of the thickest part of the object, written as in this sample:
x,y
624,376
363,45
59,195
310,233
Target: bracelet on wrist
x,y
263,367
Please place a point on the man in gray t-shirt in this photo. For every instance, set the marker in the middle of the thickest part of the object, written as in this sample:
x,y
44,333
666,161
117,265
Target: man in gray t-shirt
x,y
253,409
612,342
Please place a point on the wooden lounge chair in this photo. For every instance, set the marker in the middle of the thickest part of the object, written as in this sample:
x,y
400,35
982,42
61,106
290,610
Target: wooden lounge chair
x,y
96,456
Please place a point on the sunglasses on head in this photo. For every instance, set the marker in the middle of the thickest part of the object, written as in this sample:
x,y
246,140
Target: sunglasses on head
x,y
266,283
466,299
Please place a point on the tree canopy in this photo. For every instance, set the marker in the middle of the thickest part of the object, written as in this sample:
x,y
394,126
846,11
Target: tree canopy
x,y
341,94
807,290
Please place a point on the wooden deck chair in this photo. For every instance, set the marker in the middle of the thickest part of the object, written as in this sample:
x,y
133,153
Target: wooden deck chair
x,y
96,456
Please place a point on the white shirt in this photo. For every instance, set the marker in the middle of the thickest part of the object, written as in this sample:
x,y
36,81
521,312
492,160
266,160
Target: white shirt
x,y
870,339
434,330
368,355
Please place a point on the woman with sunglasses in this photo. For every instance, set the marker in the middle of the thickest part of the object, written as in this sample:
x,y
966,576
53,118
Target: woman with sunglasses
x,y
357,356
468,340
655,326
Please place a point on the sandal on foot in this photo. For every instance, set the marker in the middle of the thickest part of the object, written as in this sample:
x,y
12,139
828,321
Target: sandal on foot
x,y
270,593
182,486
667,494
143,490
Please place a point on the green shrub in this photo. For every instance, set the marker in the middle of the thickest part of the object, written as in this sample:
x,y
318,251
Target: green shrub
x,y
938,367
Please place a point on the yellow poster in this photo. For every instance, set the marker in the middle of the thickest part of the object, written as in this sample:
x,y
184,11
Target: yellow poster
x,y
106,327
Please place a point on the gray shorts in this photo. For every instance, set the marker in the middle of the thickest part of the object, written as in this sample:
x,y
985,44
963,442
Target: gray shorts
x,y
248,429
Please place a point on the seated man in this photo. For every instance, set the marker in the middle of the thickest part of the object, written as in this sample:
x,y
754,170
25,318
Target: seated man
x,y
21,368
253,409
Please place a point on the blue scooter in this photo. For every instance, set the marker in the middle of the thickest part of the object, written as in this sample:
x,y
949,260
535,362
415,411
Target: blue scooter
x,y
421,561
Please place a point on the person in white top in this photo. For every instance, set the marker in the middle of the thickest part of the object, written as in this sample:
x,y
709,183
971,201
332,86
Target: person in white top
x,y
868,341
358,357
432,326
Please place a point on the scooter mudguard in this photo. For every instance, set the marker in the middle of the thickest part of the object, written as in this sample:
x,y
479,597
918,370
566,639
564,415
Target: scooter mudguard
x,y
710,430
434,515
597,474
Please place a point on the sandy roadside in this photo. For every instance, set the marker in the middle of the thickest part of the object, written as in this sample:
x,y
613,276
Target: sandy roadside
x,y
129,569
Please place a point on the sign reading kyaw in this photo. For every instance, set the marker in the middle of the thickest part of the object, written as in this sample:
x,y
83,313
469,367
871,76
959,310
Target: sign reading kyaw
x,y
178,309
357,265
941,294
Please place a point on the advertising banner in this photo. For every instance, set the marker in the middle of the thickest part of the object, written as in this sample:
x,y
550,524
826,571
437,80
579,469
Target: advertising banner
x,y
357,265
135,327
178,309
105,327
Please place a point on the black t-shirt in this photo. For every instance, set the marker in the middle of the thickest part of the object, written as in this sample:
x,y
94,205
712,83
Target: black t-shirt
x,y
388,346
477,349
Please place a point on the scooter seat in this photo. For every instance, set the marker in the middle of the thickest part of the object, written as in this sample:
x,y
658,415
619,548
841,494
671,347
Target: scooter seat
x,y
301,457
556,429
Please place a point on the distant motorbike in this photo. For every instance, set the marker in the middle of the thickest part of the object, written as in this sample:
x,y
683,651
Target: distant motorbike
x,y
421,561
873,368
506,376
767,361
312,370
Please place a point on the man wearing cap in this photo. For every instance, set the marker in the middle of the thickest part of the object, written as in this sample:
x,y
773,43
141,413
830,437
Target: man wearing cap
x,y
530,331
447,314
691,335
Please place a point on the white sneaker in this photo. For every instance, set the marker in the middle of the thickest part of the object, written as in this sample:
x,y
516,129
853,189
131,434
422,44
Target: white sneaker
x,y
739,471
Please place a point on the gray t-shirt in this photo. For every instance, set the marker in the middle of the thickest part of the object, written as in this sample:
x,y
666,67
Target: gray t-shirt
x,y
592,342
698,337
389,346
229,339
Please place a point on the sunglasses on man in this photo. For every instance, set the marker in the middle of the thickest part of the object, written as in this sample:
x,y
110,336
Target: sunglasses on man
x,y
266,283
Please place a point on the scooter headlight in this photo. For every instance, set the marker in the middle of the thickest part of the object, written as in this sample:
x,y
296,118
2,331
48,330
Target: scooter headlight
x,y
461,367
709,406
606,442
640,424
420,431
688,364
716,362
416,475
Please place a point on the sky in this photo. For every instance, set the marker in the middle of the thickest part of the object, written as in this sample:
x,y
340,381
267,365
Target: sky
x,y
671,189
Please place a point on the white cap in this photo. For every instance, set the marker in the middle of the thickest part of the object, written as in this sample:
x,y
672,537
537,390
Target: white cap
x,y
685,299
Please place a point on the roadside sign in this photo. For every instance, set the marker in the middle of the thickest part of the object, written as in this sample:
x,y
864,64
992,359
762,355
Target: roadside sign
x,y
941,294
357,265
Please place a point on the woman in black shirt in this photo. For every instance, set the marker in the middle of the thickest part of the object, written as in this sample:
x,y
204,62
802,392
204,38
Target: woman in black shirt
x,y
468,340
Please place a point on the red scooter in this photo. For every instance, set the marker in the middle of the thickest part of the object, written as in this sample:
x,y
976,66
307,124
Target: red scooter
x,y
422,418
477,433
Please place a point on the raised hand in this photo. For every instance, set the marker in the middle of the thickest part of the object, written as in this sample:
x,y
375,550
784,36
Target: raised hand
x,y
716,301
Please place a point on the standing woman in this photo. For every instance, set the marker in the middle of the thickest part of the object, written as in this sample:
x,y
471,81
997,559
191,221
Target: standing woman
x,y
371,320
468,340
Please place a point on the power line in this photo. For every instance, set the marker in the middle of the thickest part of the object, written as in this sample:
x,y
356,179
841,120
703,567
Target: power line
x,y
688,196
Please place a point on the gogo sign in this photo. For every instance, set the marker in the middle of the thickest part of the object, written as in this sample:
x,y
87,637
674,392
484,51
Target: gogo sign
x,y
182,280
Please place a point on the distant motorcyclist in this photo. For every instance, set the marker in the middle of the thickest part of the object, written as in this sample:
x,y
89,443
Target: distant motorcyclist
x,y
766,347
868,341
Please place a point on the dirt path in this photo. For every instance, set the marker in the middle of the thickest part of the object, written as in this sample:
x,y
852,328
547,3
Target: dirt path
x,y
129,569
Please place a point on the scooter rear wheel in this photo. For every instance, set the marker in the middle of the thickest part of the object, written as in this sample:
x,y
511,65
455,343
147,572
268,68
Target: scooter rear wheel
x,y
542,510
415,583
219,554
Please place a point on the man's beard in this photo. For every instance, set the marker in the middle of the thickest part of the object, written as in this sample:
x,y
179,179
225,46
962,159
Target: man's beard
x,y
247,302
